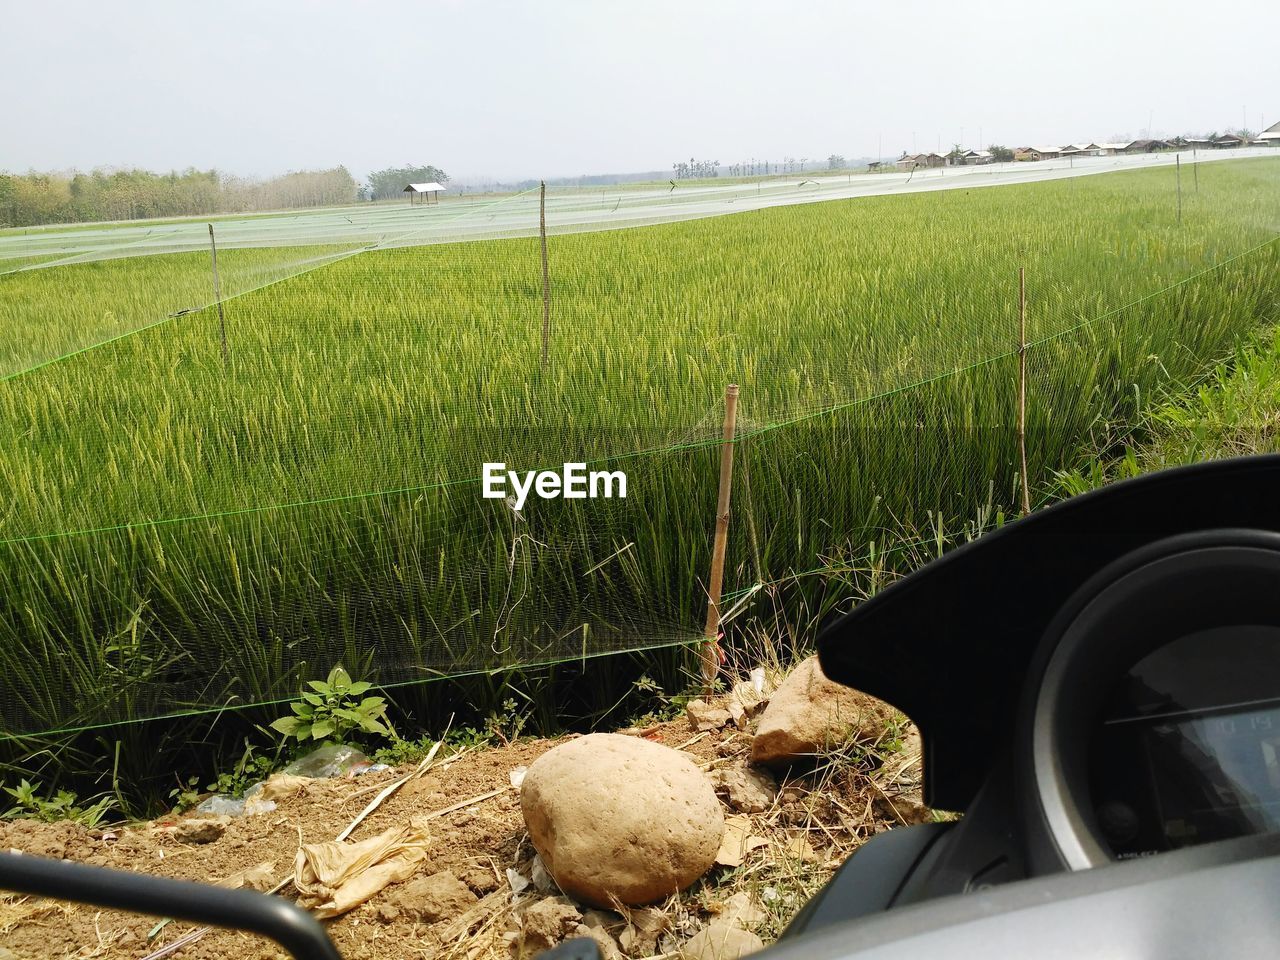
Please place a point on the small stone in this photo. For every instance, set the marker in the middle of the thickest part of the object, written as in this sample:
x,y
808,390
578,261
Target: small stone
x,y
738,714
479,880
202,830
388,912
790,795
609,949
441,896
644,927
600,920
702,716
548,922
745,789
721,941
901,809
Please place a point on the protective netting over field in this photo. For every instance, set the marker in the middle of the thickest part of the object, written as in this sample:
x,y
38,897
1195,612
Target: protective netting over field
x,y
183,533
96,301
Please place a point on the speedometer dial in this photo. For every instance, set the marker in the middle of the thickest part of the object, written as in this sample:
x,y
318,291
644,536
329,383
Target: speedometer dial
x,y
1188,748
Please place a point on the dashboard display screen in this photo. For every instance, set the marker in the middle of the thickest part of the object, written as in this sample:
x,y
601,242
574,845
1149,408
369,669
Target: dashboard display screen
x,y
1188,750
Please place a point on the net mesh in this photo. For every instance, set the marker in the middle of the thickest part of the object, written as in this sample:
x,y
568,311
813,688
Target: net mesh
x,y
187,532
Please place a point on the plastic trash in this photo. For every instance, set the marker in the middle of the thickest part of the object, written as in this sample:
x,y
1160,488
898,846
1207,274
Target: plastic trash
x,y
331,760
542,881
251,804
221,805
519,882
373,768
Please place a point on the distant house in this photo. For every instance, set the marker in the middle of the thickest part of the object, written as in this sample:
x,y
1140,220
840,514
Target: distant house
x,y
427,191
911,161
1146,146
1270,136
971,158
1228,141
1110,149
1027,154
1047,152
1197,143
1082,150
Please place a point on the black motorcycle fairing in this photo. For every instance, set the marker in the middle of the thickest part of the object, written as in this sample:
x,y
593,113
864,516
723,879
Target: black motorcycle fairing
x,y
1216,900
964,629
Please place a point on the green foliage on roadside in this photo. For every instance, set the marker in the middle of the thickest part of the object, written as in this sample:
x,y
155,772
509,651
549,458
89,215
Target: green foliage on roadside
x,y
62,805
335,709
1234,411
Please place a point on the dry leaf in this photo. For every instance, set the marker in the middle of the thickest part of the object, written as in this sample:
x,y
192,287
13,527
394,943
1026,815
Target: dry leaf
x,y
282,786
800,848
742,909
738,842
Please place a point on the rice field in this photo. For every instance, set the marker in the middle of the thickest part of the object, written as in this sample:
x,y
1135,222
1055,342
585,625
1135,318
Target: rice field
x,y
177,532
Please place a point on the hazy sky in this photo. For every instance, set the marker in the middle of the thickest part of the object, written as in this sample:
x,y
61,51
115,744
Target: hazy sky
x,y
563,87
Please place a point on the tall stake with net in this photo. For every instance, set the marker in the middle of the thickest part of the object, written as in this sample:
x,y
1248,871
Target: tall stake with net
x,y
711,632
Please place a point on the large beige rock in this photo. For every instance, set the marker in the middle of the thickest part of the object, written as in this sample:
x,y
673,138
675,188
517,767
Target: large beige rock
x,y
621,817
810,714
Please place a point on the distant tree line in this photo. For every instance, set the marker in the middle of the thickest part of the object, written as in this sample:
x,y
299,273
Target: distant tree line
x,y
388,183
36,198
695,169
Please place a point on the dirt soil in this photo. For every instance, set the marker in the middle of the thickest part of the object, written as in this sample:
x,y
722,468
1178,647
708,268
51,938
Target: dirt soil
x,y
818,818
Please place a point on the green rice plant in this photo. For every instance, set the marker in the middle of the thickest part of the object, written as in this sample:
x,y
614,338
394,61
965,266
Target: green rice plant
x,y
189,539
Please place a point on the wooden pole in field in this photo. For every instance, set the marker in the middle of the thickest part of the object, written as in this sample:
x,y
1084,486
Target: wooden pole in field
x,y
1022,386
217,294
1177,166
711,633
546,275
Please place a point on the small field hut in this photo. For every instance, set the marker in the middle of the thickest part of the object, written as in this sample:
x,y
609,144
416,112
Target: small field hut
x,y
427,192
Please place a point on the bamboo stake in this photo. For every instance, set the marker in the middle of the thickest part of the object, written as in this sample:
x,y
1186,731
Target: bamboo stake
x,y
711,633
1022,386
217,294
1177,166
546,276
